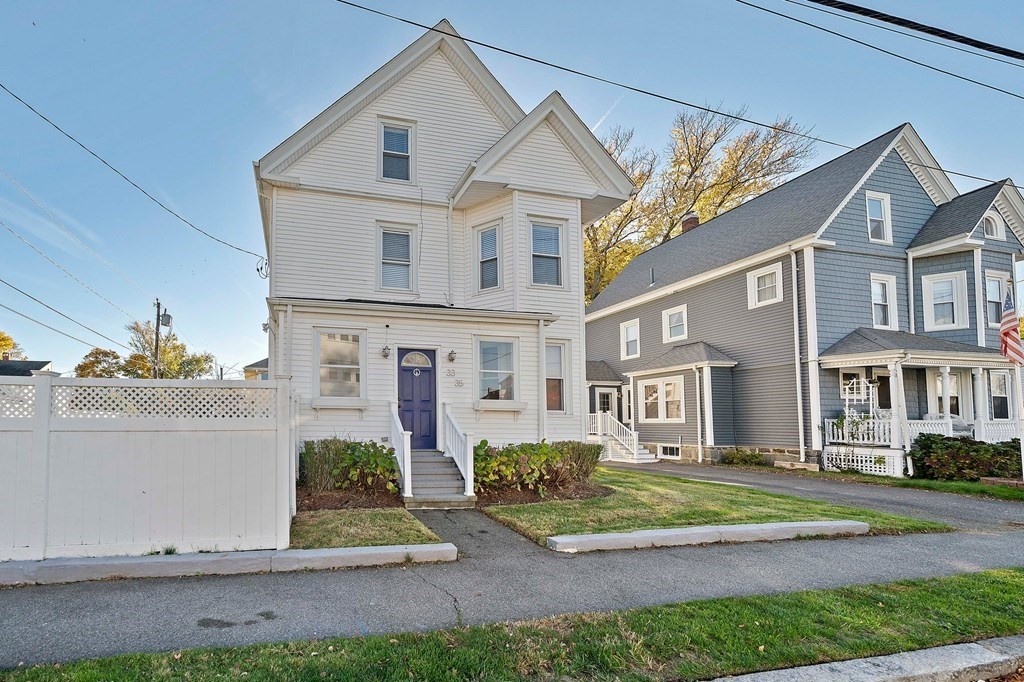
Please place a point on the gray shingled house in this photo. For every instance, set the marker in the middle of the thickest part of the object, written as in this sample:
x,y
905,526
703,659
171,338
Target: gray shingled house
x,y
840,314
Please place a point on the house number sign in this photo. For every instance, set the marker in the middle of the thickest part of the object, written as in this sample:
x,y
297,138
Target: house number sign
x,y
451,373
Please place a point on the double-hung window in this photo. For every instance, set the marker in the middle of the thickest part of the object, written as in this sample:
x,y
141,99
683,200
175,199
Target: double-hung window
x,y
489,274
673,324
496,369
945,301
995,290
629,340
764,286
879,218
954,394
340,359
1000,383
883,302
554,357
396,140
396,264
661,400
546,241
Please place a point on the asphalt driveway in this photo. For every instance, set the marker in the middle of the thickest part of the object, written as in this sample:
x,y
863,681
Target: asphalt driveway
x,y
500,576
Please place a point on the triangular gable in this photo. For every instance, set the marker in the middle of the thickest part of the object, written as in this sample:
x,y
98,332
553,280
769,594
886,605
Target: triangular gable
x,y
443,38
558,163
1010,205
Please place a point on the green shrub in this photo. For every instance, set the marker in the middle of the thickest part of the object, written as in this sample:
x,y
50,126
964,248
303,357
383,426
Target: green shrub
x,y
534,466
331,463
744,458
583,457
964,459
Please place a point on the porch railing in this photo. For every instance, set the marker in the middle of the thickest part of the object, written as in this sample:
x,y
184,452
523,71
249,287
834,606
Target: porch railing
x,y
594,424
605,424
858,431
401,442
459,445
879,432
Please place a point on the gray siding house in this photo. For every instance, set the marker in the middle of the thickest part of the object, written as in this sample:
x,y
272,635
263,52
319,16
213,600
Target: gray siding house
x,y
834,317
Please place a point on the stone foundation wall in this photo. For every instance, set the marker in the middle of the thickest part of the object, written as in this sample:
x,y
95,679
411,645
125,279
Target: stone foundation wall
x,y
715,453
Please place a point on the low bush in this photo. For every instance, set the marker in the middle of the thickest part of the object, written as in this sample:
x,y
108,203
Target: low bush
x,y
332,463
943,458
744,458
534,466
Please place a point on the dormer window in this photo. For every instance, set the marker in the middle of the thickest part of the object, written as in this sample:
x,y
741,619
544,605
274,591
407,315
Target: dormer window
x,y
396,148
879,218
993,226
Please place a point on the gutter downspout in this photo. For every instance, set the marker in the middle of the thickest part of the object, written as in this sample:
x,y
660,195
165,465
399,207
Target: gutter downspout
x,y
542,406
910,290
451,294
796,352
700,436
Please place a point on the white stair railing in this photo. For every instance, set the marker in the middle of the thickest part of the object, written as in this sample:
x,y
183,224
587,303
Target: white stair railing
x,y
629,438
459,445
401,442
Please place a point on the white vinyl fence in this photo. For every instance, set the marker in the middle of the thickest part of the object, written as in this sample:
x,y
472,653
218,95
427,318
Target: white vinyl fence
x,y
93,467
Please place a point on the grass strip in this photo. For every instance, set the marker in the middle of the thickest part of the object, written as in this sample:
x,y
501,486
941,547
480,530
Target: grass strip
x,y
358,528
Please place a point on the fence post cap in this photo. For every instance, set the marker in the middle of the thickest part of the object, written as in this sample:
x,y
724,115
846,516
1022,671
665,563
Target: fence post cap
x,y
44,373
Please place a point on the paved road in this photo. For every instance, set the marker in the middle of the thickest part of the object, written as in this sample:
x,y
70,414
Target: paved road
x,y
961,511
500,576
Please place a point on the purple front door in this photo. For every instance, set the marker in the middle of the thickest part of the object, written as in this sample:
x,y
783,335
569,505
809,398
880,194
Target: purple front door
x,y
417,397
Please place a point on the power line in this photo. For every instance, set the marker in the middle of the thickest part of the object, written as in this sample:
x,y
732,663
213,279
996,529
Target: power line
x,y
923,28
127,179
66,317
63,269
897,55
649,93
43,324
71,234
902,33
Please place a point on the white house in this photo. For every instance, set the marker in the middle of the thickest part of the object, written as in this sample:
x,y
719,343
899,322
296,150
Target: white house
x,y
426,260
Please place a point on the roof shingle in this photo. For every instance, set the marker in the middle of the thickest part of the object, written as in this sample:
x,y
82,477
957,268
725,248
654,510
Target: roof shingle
x,y
867,340
959,216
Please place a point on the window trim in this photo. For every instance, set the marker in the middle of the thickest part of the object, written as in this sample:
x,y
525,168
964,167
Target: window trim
x,y
563,345
478,253
660,383
627,403
661,451
623,355
321,400
517,399
965,394
1004,278
885,199
666,336
960,306
861,374
992,396
411,230
890,295
560,225
396,123
999,223
752,276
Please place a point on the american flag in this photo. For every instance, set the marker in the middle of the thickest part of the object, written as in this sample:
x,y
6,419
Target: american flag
x,y
1009,332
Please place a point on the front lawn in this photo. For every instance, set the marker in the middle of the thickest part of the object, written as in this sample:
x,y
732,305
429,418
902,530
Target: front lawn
x,y
358,528
690,641
644,500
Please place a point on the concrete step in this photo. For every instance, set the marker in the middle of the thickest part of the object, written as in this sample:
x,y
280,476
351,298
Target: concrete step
x,y
447,475
431,458
434,468
438,491
441,502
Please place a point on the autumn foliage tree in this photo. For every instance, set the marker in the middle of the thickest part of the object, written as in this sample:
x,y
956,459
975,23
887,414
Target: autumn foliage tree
x,y
10,346
100,364
176,361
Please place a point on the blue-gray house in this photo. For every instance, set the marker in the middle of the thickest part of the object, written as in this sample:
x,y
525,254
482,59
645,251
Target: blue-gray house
x,y
834,317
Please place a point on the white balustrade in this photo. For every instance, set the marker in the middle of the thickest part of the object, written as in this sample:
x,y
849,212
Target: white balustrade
x,y
401,442
459,445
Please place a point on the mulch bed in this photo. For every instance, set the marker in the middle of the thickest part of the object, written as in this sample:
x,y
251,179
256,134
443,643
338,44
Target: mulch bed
x,y
576,491
1012,677
345,499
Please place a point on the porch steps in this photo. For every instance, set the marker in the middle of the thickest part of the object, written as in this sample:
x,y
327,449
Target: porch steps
x,y
437,482
619,453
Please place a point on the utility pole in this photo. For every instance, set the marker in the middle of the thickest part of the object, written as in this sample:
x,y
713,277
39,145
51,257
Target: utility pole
x,y
156,345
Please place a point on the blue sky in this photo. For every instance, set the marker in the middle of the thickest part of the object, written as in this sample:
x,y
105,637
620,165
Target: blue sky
x,y
183,96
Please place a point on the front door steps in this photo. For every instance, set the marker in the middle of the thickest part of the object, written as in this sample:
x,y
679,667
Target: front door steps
x,y
437,483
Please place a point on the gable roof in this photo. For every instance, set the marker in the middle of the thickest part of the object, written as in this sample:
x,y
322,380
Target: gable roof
x,y
868,340
695,353
259,364
479,183
599,371
795,209
443,37
958,217
22,368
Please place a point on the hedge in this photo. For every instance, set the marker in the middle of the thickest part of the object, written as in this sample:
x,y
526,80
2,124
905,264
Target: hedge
x,y
964,459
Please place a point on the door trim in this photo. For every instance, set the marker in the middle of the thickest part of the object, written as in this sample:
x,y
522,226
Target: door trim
x,y
438,400
614,393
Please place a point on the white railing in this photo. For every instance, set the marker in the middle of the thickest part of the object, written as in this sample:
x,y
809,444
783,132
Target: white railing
x,y
605,424
1000,431
459,446
400,441
858,431
879,463
594,424
915,427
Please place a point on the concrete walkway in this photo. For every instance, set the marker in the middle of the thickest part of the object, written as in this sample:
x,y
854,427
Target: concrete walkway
x,y
500,576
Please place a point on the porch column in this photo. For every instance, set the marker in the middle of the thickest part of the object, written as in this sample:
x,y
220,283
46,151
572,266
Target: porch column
x,y
900,407
894,403
980,403
944,408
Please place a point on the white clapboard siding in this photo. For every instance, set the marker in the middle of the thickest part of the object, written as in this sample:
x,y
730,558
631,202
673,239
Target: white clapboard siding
x,y
543,160
453,128
109,466
495,212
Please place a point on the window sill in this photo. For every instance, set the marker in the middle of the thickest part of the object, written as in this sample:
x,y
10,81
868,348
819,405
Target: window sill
x,y
499,406
662,421
762,304
674,340
340,404
946,327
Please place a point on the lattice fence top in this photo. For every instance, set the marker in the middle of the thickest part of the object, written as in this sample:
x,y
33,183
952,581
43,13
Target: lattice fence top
x,y
17,400
166,402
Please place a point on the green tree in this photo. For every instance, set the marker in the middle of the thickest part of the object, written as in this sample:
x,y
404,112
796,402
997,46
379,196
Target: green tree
x,y
176,362
10,346
100,363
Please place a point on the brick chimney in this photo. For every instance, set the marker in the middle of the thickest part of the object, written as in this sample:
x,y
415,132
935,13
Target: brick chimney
x,y
690,221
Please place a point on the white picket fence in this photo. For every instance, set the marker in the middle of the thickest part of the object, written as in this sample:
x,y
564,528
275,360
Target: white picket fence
x,y
97,467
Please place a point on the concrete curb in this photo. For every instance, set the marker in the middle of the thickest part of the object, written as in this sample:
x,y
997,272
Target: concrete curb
x,y
703,535
75,569
955,663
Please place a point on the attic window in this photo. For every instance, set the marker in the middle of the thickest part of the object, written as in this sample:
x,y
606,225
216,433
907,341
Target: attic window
x,y
879,218
396,144
992,224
